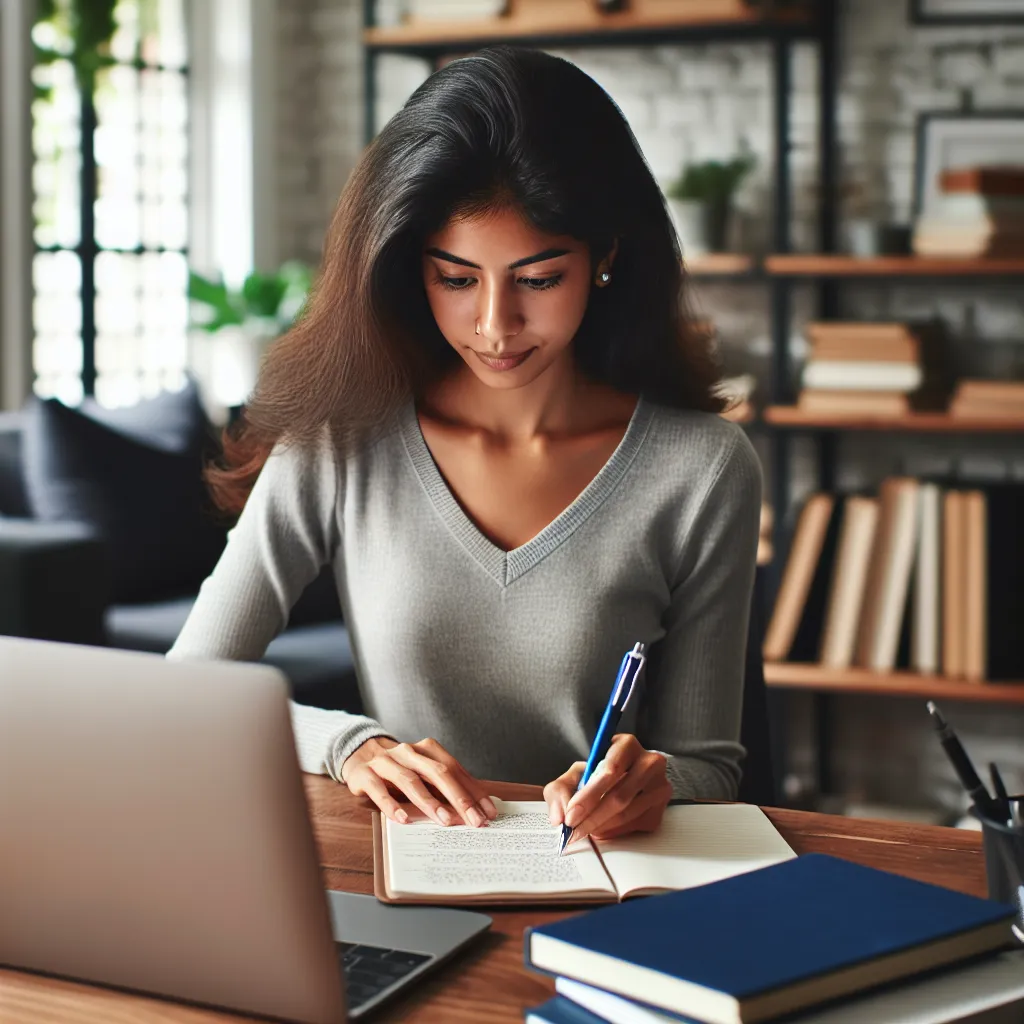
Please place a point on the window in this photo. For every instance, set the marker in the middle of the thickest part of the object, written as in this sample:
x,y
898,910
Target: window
x,y
110,312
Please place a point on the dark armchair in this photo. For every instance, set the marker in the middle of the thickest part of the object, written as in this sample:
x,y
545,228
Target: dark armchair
x,y
114,559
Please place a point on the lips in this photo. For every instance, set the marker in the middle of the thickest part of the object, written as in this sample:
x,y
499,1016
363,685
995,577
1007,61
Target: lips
x,y
509,361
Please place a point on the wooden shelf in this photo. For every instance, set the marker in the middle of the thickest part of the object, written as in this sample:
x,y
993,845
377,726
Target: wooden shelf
x,y
916,422
719,264
811,265
792,676
581,20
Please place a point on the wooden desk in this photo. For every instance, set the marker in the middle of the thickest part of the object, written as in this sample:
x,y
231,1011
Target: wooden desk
x,y
489,981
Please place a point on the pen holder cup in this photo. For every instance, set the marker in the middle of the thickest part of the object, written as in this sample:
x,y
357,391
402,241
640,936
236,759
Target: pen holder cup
x,y
1004,864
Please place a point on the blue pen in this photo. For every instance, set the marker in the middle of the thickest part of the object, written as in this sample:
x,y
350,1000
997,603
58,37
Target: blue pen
x,y
625,681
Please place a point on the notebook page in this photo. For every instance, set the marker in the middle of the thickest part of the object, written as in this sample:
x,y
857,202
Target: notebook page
x,y
695,844
517,853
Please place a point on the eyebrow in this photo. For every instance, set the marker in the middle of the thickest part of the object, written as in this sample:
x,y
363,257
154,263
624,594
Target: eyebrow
x,y
547,254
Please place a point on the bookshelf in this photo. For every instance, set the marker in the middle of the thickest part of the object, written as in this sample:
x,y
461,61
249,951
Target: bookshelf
x,y
819,679
831,265
722,264
580,22
794,417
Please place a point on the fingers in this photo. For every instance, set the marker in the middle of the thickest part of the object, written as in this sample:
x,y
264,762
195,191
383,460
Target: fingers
x,y
559,792
624,751
645,821
376,789
474,786
643,789
412,769
448,777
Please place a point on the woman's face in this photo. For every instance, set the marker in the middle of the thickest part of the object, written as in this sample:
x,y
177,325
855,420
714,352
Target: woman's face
x,y
508,298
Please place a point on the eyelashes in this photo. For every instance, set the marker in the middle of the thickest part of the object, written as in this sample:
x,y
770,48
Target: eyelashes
x,y
533,284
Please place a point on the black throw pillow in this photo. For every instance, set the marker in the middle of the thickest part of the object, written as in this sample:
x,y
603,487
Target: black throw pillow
x,y
140,486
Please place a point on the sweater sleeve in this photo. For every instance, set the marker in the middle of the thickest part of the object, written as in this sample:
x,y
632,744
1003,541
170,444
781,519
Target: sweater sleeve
x,y
692,707
286,533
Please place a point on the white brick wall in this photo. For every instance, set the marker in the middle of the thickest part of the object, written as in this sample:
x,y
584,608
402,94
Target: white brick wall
x,y
690,103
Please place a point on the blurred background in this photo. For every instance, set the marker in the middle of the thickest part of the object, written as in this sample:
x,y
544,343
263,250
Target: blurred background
x,y
167,170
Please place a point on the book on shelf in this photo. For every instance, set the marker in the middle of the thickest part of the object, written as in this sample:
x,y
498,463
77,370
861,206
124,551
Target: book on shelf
x,y
844,339
989,181
874,370
979,399
849,581
975,611
926,587
977,212
937,238
954,576
862,375
770,942
888,579
798,576
454,10
985,991
514,858
824,402
928,577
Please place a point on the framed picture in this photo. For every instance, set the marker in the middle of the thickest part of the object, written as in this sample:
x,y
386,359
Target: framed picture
x,y
950,139
967,12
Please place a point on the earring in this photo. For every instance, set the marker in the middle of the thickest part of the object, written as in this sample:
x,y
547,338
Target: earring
x,y
603,278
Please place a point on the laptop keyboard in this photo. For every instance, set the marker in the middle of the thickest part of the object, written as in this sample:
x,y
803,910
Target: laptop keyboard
x,y
369,969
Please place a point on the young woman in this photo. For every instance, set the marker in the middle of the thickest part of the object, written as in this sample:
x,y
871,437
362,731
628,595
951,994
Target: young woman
x,y
495,424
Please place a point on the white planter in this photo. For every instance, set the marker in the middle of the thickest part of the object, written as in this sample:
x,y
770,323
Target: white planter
x,y
227,362
691,223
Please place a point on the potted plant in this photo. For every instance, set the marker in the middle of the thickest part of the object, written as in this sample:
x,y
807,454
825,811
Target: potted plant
x,y
700,200
243,322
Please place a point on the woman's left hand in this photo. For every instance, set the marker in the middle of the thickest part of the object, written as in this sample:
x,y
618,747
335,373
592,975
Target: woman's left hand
x,y
628,792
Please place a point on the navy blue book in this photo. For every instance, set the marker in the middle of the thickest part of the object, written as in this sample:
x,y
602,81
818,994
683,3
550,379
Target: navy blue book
x,y
771,941
559,1010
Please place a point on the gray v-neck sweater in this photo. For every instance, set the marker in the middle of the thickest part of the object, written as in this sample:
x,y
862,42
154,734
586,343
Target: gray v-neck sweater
x,y
507,658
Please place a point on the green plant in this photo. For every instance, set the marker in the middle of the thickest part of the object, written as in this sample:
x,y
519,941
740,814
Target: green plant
x,y
271,301
82,30
712,181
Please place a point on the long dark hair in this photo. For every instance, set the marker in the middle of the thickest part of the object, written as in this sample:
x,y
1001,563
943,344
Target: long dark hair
x,y
503,127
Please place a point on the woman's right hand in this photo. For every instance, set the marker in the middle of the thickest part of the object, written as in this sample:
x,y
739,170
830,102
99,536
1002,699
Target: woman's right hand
x,y
382,766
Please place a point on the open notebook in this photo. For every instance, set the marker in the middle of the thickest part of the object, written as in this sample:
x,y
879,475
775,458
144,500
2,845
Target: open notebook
x,y
514,858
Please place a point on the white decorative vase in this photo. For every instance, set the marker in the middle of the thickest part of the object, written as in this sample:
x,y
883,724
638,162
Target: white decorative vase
x,y
227,362
691,222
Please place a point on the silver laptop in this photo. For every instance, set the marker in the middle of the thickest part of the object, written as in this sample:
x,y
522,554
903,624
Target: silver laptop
x,y
154,836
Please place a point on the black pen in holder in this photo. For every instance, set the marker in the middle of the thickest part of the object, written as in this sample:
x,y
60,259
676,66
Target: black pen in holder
x,y
1003,843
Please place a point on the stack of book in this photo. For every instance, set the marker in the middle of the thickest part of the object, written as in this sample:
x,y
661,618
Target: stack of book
x,y
925,576
812,940
861,369
983,399
978,211
454,10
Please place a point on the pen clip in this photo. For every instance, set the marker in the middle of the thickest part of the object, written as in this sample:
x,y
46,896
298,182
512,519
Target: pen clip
x,y
638,655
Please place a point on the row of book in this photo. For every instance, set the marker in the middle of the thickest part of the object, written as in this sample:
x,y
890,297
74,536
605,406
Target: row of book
x,y
811,940
978,211
882,370
454,10
925,575
864,368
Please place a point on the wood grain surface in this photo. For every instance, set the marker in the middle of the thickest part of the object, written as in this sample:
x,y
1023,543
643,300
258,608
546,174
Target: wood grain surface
x,y
489,981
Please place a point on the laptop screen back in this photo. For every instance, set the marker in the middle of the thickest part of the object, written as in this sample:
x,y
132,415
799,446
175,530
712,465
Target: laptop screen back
x,y
155,833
